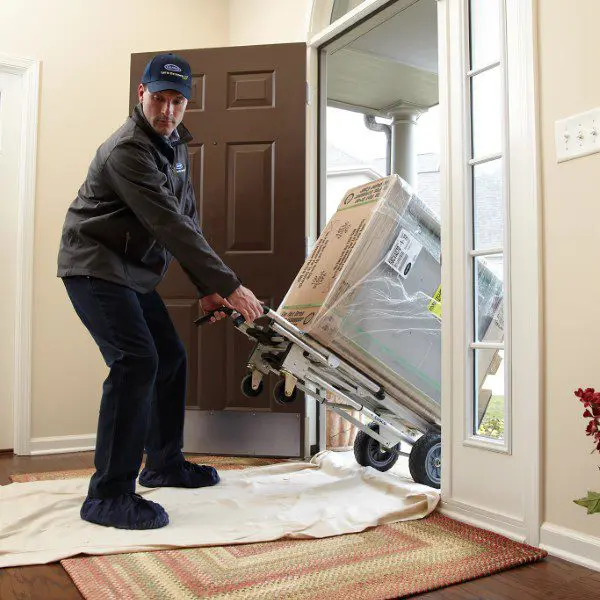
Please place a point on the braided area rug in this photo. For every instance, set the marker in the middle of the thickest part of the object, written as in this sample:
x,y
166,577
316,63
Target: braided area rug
x,y
389,561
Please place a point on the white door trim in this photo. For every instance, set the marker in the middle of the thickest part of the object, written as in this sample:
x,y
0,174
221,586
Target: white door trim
x,y
29,71
321,30
526,230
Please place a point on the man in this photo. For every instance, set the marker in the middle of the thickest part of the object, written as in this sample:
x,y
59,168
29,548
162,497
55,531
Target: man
x,y
135,209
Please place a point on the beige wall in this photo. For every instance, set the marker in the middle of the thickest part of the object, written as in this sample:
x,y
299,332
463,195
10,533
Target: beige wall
x,y
279,22
84,48
568,51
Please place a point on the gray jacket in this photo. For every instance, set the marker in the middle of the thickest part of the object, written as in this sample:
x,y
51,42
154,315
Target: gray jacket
x,y
135,210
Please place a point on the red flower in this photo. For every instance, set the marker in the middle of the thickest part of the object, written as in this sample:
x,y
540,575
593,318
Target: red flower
x,y
591,402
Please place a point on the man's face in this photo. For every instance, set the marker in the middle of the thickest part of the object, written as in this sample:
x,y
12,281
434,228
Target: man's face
x,y
164,110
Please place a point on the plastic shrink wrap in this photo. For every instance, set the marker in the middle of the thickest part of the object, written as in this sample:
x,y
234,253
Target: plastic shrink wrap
x,y
370,291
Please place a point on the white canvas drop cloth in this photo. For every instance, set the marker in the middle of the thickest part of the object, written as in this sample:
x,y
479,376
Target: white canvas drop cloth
x,y
40,522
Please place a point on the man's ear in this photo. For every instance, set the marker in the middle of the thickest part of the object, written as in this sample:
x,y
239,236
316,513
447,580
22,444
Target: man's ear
x,y
140,91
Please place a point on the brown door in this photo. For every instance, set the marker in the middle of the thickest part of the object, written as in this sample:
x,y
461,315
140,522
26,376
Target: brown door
x,y
247,116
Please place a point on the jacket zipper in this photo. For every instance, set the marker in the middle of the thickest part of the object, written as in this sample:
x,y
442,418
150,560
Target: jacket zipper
x,y
127,237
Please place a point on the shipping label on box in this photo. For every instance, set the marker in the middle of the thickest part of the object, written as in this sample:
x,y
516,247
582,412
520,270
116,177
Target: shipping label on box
x,y
404,253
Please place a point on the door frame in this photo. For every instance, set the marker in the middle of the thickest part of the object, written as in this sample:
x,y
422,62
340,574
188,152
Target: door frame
x,y
29,71
526,280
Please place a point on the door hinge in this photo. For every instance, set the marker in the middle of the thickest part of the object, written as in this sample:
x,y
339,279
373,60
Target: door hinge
x,y
307,93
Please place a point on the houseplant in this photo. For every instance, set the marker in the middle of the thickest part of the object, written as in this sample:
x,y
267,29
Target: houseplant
x,y
591,402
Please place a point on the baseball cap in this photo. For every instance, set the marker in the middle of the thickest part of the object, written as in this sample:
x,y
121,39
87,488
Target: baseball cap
x,y
168,72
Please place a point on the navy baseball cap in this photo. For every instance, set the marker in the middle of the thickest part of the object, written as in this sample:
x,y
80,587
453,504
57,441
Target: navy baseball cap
x,y
168,72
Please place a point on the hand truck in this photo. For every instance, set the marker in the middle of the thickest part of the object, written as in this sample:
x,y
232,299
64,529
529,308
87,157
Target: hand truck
x,y
304,364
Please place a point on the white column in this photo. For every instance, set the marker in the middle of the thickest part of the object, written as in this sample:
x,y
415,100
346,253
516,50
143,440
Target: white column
x,y
404,146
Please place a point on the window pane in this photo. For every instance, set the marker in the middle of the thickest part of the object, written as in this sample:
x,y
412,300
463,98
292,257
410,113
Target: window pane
x,y
487,109
488,206
485,32
489,397
341,7
489,299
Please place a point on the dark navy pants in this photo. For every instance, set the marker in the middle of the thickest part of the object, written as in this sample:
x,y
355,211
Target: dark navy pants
x,y
143,399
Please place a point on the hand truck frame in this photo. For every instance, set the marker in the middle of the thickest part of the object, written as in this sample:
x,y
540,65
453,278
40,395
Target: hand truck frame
x,y
304,364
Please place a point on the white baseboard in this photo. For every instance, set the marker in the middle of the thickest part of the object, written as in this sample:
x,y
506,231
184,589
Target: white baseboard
x,y
571,545
505,525
62,444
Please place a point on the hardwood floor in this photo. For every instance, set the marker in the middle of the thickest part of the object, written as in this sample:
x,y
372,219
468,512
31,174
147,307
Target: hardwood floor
x,y
552,579
43,582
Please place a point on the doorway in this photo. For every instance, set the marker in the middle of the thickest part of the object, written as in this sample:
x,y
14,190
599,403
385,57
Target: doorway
x,y
379,115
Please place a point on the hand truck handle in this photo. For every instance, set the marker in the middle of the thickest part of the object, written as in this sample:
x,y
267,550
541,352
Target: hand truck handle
x,y
208,316
237,321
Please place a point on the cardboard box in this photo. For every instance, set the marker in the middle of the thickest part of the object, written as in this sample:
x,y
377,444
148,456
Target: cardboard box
x,y
367,291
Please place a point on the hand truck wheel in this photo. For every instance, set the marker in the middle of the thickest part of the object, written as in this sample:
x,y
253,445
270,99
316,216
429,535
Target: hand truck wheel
x,y
370,453
248,390
425,460
279,393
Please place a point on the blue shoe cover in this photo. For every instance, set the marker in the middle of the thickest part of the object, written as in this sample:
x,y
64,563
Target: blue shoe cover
x,y
127,511
184,474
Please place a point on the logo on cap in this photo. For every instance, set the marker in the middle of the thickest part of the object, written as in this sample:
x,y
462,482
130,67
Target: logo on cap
x,y
171,67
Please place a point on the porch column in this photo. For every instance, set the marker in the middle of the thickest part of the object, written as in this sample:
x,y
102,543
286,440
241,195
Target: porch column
x,y
404,146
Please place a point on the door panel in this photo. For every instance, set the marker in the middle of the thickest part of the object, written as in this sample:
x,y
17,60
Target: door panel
x,y
247,164
250,198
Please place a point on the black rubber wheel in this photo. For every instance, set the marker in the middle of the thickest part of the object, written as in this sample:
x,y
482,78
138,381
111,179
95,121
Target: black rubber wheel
x,y
279,393
425,460
247,390
369,452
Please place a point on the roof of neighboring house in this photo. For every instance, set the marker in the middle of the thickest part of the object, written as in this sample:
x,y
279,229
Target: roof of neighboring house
x,y
337,158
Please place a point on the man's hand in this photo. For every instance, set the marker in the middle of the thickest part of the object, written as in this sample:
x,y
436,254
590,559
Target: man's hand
x,y
214,302
246,303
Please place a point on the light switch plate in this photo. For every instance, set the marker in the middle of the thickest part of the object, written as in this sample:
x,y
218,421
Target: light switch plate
x,y
578,135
